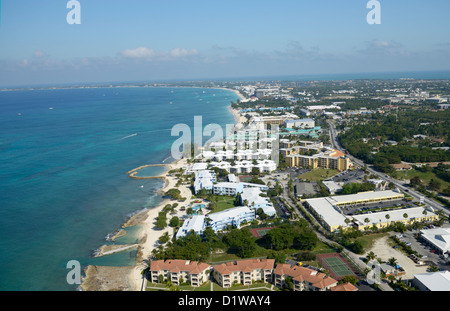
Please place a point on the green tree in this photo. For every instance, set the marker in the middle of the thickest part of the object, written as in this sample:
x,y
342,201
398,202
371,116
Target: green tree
x,y
174,222
350,279
241,241
415,181
161,220
371,256
357,247
392,261
434,185
164,238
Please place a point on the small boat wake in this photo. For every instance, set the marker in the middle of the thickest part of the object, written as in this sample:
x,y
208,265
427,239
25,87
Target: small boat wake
x,y
135,134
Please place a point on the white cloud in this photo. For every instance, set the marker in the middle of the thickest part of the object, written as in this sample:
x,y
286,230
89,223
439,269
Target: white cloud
x,y
138,53
39,54
181,52
384,48
151,55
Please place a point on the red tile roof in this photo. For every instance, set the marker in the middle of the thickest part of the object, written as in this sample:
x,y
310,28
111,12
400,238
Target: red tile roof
x,y
301,274
347,287
246,265
178,265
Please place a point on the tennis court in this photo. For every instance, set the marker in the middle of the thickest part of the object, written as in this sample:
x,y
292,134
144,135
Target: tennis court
x,y
260,232
338,266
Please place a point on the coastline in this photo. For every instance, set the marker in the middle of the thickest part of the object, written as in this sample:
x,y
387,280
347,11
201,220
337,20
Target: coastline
x,y
130,278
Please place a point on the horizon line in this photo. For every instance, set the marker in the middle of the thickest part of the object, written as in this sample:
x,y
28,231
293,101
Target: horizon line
x,y
260,78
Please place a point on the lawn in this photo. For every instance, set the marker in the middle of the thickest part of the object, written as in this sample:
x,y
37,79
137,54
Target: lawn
x,y
224,203
318,174
426,177
257,286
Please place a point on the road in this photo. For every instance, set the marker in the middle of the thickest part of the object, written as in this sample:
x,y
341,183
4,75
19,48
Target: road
x,y
435,205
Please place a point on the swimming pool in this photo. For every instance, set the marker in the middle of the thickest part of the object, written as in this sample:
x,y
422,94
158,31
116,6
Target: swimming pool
x,y
198,206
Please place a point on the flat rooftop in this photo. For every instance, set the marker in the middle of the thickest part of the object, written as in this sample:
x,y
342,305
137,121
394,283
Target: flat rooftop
x,y
365,197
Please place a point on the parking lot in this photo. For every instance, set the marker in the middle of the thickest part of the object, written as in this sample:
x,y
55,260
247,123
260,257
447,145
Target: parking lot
x,y
378,207
429,256
349,176
281,209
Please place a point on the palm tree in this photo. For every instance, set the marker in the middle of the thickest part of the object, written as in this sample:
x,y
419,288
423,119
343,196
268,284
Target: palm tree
x,y
392,261
371,256
387,217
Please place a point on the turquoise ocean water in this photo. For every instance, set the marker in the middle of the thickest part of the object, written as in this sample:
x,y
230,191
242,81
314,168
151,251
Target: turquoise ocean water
x,y
63,159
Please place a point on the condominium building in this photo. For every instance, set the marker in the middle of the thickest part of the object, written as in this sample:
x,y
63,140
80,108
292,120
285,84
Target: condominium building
x,y
303,279
179,271
194,223
230,217
299,123
253,199
332,159
244,272
233,188
204,179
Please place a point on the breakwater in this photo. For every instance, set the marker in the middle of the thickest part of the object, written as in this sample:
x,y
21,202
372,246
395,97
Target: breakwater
x,y
134,172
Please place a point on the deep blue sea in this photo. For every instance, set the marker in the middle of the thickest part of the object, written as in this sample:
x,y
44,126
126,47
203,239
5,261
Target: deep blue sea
x,y
63,159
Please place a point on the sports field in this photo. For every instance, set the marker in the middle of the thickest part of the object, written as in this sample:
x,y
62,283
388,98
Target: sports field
x,y
338,266
260,232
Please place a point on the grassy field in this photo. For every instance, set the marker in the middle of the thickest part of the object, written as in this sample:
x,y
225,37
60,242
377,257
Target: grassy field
x,y
368,240
254,287
318,174
224,203
216,287
426,177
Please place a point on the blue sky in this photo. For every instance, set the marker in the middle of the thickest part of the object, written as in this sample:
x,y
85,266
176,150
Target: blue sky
x,y
137,40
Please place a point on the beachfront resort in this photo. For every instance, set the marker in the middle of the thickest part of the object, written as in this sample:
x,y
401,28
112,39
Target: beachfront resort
x,y
245,182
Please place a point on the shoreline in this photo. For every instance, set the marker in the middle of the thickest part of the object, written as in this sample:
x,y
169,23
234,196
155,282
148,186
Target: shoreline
x,y
97,277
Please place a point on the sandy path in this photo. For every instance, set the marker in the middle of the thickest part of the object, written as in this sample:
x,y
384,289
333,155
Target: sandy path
x,y
384,251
